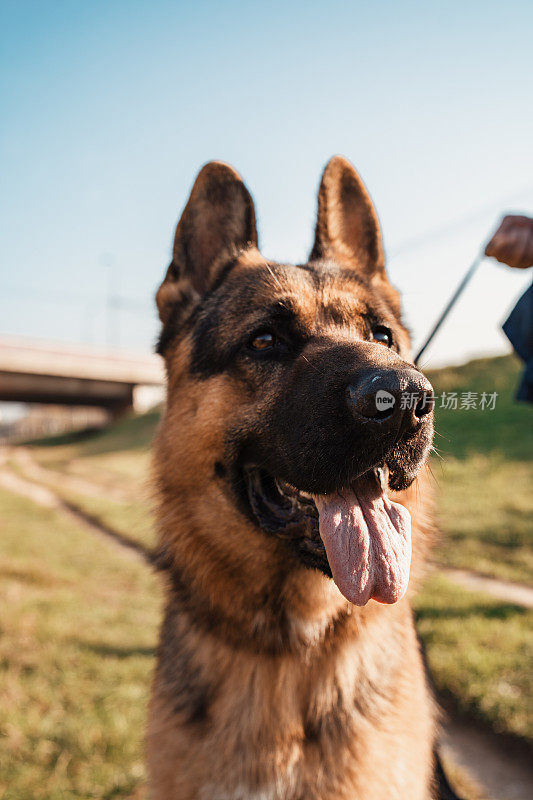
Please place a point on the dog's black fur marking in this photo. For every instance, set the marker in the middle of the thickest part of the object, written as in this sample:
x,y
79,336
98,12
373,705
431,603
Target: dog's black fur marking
x,y
191,695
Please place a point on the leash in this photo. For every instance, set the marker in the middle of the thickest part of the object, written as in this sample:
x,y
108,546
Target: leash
x,y
471,270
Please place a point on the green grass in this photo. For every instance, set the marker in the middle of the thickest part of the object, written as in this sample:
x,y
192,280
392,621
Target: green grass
x,y
116,459
132,520
131,432
76,653
485,473
486,520
507,431
480,652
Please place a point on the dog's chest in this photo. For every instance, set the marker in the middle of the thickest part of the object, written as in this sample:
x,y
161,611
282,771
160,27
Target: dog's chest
x,y
348,723
284,736
310,733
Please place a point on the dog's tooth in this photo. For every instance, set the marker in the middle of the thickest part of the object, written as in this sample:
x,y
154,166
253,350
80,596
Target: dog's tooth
x,y
381,476
385,477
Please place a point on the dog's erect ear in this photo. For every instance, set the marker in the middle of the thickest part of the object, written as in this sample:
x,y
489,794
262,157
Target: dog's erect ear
x,y
347,227
217,223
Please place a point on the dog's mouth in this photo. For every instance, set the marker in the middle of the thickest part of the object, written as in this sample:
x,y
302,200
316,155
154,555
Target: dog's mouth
x,y
357,536
277,505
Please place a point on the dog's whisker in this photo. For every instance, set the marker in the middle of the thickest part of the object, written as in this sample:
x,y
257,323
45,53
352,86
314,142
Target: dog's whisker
x,y
274,278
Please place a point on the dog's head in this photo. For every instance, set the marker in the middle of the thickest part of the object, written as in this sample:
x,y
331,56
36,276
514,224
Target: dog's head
x,y
291,388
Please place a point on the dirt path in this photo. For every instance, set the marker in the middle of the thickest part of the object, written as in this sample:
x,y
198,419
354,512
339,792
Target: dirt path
x,y
39,494
31,469
44,496
516,593
504,772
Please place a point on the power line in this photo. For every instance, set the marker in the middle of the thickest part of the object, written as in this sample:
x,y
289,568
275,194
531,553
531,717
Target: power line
x,y
146,305
460,222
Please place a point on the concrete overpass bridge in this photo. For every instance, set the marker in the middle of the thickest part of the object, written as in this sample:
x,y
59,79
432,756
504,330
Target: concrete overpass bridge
x,y
40,372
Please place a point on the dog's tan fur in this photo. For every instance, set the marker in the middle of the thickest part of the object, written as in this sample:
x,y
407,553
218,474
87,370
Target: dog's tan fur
x,y
269,684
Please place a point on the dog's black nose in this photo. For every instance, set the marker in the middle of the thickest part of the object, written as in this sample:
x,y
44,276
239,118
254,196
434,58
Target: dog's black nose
x,y
391,398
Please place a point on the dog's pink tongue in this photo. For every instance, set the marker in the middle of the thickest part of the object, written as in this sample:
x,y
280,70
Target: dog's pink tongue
x,y
368,543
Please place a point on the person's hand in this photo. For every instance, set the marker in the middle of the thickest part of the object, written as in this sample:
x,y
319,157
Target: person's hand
x,y
512,244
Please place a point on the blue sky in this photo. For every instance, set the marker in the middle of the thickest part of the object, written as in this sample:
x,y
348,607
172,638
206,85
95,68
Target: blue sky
x,y
110,108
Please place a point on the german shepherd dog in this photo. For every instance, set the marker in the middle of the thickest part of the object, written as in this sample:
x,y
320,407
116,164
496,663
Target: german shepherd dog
x,y
289,467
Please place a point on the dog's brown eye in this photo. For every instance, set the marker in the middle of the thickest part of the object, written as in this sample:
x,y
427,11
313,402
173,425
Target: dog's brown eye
x,y
382,335
263,341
